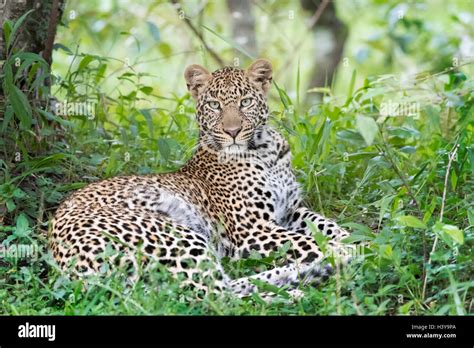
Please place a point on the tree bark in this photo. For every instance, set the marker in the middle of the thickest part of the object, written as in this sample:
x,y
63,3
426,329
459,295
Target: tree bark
x,y
243,25
335,30
39,29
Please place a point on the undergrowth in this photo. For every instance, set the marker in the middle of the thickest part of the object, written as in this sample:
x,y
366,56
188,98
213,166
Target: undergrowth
x,y
402,183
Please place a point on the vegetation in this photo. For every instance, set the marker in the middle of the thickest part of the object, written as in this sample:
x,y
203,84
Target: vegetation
x,y
388,155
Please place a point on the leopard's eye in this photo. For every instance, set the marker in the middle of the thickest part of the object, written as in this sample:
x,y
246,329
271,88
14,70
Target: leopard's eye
x,y
214,105
245,102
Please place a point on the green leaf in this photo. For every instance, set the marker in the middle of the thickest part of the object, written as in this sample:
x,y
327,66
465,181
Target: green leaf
x,y
27,59
367,127
66,49
360,229
449,233
285,99
21,106
7,117
149,121
19,193
386,251
15,28
264,286
22,228
100,72
10,205
410,221
454,180
321,239
164,148
147,90
7,30
85,62
351,87
455,233
405,309
165,49
470,216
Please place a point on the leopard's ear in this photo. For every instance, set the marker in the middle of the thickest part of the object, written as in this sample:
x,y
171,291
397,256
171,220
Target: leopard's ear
x,y
196,77
260,73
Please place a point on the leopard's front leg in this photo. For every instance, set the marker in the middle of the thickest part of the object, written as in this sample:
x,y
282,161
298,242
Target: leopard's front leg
x,y
297,221
266,237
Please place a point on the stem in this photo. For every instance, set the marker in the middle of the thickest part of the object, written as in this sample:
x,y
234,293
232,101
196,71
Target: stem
x,y
199,35
452,155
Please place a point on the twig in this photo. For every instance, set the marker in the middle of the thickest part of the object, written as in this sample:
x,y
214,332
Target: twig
x,y
312,22
198,34
319,11
387,155
452,155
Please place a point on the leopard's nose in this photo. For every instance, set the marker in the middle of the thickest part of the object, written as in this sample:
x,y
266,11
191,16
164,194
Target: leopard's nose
x,y
233,132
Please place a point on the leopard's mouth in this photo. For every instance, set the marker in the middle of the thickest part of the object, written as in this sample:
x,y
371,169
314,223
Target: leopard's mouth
x,y
234,148
232,145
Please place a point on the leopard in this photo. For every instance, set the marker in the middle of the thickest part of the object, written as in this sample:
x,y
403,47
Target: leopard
x,y
237,196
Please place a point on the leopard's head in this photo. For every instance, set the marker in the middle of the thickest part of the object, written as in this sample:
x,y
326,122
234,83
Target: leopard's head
x,y
231,104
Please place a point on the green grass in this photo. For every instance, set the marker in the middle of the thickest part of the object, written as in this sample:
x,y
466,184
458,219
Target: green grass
x,y
403,185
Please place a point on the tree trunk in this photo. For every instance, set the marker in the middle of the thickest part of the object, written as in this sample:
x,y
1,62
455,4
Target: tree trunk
x,y
243,25
329,50
39,29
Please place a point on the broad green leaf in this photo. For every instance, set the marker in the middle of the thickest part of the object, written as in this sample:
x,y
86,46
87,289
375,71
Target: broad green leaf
x,y
17,25
7,29
264,286
22,228
455,233
386,251
27,59
449,233
429,210
410,221
164,148
100,72
19,193
149,121
147,90
355,238
405,309
165,49
85,62
360,229
20,106
10,205
454,180
367,127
